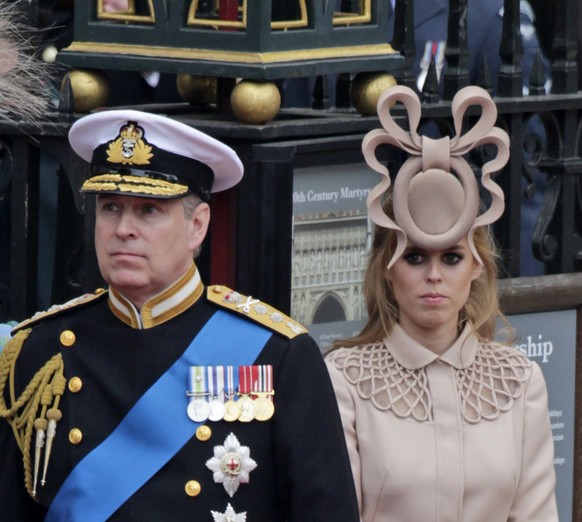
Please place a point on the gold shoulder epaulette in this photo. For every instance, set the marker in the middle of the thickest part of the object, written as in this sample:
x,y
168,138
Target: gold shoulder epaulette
x,y
58,309
256,310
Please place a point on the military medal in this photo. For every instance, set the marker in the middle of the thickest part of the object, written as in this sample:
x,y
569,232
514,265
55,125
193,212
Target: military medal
x,y
198,410
231,464
215,379
198,407
264,401
245,384
247,409
231,407
229,515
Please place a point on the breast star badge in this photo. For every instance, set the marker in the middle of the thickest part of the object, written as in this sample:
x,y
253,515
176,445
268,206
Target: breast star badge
x,y
229,515
231,464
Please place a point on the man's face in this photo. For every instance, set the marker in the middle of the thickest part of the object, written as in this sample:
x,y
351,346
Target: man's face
x,y
145,244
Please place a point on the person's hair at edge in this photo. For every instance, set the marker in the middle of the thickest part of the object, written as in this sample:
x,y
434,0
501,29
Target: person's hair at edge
x,y
482,307
190,203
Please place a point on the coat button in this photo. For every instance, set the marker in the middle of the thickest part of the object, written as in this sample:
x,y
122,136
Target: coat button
x,y
68,338
75,436
203,433
75,384
192,488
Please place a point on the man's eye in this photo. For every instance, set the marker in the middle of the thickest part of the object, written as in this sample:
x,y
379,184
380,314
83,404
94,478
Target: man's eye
x,y
150,209
109,207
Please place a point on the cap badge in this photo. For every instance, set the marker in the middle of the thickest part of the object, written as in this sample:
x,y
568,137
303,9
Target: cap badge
x,y
130,147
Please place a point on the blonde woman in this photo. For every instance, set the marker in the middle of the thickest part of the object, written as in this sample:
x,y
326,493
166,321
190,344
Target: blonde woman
x,y
442,422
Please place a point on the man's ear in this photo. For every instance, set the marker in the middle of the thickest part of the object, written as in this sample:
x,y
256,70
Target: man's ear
x,y
200,221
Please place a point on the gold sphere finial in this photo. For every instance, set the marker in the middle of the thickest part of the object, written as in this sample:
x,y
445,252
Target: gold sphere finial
x,y
196,90
255,102
90,89
366,90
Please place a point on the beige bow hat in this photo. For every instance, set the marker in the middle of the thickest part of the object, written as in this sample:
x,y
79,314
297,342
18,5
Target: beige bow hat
x,y
436,196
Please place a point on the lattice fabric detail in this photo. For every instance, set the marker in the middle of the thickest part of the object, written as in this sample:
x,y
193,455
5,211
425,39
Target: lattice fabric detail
x,y
487,388
491,384
379,378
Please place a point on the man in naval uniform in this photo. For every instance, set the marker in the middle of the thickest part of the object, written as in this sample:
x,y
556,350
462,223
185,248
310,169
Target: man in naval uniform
x,y
160,399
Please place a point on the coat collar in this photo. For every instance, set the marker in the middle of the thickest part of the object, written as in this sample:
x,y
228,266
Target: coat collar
x,y
162,307
414,356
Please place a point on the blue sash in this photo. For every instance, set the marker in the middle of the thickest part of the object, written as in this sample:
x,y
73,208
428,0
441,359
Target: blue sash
x,y
5,330
155,429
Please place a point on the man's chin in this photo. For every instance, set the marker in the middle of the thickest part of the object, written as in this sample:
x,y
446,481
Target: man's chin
x,y
127,283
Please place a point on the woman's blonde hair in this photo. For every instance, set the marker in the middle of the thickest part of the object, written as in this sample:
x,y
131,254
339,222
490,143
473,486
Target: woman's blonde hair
x,y
482,307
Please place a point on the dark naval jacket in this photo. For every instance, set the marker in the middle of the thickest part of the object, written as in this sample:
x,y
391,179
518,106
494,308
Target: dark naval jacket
x,y
302,470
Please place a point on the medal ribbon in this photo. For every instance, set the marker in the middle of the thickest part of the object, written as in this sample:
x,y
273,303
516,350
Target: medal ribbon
x,y
156,426
248,376
197,382
231,382
265,383
216,382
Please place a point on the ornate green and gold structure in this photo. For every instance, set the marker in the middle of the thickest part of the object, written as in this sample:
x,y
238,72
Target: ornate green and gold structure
x,y
256,41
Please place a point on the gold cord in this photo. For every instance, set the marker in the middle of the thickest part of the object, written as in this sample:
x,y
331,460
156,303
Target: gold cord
x,y
35,410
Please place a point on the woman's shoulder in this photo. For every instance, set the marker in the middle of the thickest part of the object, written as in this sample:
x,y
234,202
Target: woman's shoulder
x,y
500,355
498,377
379,380
345,357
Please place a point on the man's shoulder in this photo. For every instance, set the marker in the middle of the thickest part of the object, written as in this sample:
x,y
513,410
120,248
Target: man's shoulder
x,y
74,304
255,310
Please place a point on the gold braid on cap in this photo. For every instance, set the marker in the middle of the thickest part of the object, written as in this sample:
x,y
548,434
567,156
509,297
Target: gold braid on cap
x,y
35,411
434,208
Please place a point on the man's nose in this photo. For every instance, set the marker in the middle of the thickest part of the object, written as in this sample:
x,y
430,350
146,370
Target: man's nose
x,y
126,226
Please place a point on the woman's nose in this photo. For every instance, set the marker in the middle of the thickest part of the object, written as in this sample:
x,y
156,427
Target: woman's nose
x,y
434,274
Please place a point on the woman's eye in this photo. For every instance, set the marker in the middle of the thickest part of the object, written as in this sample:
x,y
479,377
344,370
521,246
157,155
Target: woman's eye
x,y
413,258
452,258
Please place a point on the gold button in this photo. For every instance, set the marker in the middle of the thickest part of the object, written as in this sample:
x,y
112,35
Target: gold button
x,y
99,291
203,433
75,436
192,488
75,384
68,338
217,289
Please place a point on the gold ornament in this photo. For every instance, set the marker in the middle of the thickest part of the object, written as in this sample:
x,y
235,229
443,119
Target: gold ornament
x,y
255,102
90,89
196,90
366,90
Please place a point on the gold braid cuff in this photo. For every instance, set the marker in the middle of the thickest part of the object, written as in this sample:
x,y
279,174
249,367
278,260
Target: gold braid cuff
x,y
35,411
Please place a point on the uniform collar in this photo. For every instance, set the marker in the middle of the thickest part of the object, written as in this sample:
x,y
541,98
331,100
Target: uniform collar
x,y
414,356
161,308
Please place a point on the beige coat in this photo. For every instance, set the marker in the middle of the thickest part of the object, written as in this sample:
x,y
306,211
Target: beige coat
x,y
461,437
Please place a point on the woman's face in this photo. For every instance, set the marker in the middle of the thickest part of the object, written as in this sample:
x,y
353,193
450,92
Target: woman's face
x,y
431,287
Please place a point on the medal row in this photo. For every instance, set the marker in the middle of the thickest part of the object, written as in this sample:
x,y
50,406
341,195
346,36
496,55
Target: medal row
x,y
218,393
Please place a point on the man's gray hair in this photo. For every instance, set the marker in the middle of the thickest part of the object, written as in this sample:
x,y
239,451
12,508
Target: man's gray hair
x,y
190,203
